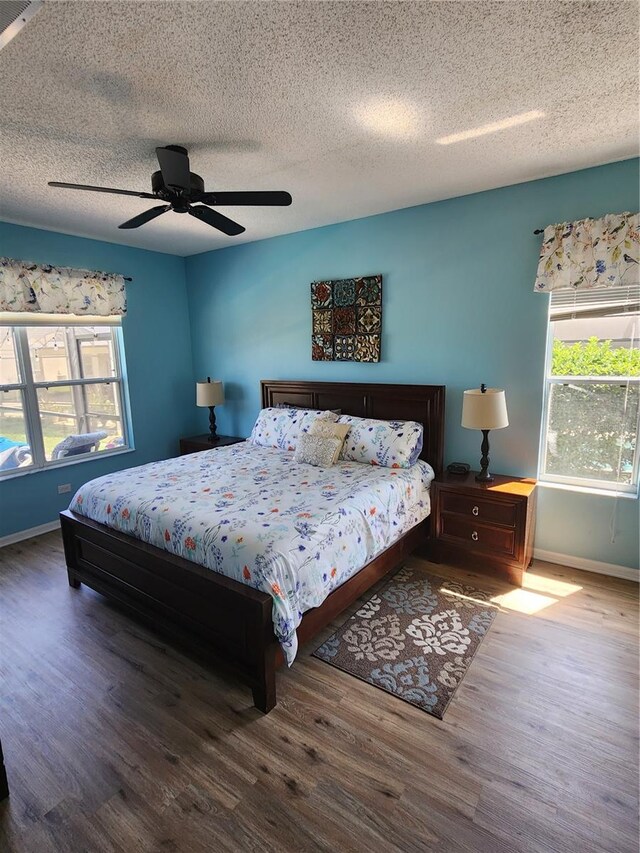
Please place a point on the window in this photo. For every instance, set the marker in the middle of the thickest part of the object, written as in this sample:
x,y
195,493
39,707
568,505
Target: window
x,y
592,389
62,394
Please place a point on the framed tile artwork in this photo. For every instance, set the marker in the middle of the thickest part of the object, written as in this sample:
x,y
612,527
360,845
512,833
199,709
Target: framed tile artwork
x,y
346,319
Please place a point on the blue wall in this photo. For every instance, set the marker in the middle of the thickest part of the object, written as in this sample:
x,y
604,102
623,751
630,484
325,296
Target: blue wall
x,y
458,309
158,354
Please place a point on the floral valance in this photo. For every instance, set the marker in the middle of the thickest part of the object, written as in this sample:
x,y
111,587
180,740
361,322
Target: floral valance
x,y
590,253
46,289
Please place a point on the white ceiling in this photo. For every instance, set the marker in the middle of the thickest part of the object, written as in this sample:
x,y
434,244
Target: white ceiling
x,y
340,103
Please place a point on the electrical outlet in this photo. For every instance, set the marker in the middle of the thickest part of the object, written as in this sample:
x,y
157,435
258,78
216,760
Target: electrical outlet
x,y
64,488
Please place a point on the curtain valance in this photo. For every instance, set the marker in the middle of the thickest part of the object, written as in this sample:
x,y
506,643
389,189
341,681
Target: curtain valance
x,y
590,253
29,287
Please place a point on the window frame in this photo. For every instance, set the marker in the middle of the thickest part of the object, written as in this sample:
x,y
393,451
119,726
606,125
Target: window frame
x,y
582,484
29,388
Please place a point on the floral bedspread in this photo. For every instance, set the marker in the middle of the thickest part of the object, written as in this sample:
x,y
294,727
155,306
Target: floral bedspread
x,y
255,515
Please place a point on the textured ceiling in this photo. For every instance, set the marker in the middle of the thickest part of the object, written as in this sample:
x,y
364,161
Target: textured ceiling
x,y
340,103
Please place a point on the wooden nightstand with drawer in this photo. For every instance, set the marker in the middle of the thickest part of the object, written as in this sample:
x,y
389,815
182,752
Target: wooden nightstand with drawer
x,y
486,526
196,443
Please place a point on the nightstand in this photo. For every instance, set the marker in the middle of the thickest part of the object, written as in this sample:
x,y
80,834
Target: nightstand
x,y
202,442
486,526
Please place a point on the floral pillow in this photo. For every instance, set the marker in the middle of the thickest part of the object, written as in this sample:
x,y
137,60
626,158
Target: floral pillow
x,y
281,427
391,444
303,408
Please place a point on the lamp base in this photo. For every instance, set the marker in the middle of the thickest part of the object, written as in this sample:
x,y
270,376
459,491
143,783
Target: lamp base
x,y
213,435
484,476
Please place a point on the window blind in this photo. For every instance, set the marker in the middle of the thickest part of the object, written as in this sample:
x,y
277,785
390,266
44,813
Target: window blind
x,y
15,318
595,302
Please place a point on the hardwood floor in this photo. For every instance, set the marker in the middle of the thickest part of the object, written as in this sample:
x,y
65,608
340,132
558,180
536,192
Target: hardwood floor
x,y
115,740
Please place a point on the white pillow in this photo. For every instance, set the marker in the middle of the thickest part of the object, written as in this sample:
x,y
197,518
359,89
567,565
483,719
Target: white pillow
x,y
281,427
390,444
325,427
319,450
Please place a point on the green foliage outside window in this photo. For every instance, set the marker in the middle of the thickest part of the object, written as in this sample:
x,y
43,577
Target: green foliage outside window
x,y
592,427
594,358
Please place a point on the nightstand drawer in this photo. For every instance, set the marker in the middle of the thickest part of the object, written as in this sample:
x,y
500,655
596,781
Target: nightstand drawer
x,y
474,536
480,508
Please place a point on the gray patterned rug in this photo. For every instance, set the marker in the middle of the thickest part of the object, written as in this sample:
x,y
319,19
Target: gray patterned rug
x,y
414,638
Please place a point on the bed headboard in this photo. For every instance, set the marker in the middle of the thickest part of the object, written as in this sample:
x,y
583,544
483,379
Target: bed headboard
x,y
422,403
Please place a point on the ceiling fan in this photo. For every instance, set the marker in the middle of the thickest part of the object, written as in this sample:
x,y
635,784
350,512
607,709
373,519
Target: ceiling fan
x,y
184,192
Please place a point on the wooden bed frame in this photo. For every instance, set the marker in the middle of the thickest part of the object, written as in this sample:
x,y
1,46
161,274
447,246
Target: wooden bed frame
x,y
231,621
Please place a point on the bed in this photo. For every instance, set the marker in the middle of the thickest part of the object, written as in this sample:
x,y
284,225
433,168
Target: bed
x,y
252,617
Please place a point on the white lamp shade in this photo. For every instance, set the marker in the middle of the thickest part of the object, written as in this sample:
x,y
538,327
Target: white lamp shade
x,y
486,410
209,393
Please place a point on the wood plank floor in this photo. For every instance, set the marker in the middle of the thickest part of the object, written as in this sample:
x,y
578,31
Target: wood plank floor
x,y
115,740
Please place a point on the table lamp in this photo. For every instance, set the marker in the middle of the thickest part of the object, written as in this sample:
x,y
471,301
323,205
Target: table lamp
x,y
210,394
484,409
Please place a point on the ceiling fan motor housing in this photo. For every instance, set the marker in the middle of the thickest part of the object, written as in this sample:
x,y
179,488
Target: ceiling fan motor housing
x,y
160,189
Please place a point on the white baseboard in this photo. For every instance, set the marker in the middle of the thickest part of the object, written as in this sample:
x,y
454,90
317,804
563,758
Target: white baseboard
x,y
28,534
588,565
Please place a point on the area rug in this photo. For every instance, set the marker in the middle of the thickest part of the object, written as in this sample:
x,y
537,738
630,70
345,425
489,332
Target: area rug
x,y
414,638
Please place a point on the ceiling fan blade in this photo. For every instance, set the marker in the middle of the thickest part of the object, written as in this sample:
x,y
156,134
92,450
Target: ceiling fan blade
x,y
99,189
174,165
217,220
147,216
268,197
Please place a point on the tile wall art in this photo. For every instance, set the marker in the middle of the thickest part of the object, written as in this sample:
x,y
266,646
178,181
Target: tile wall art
x,y
346,317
